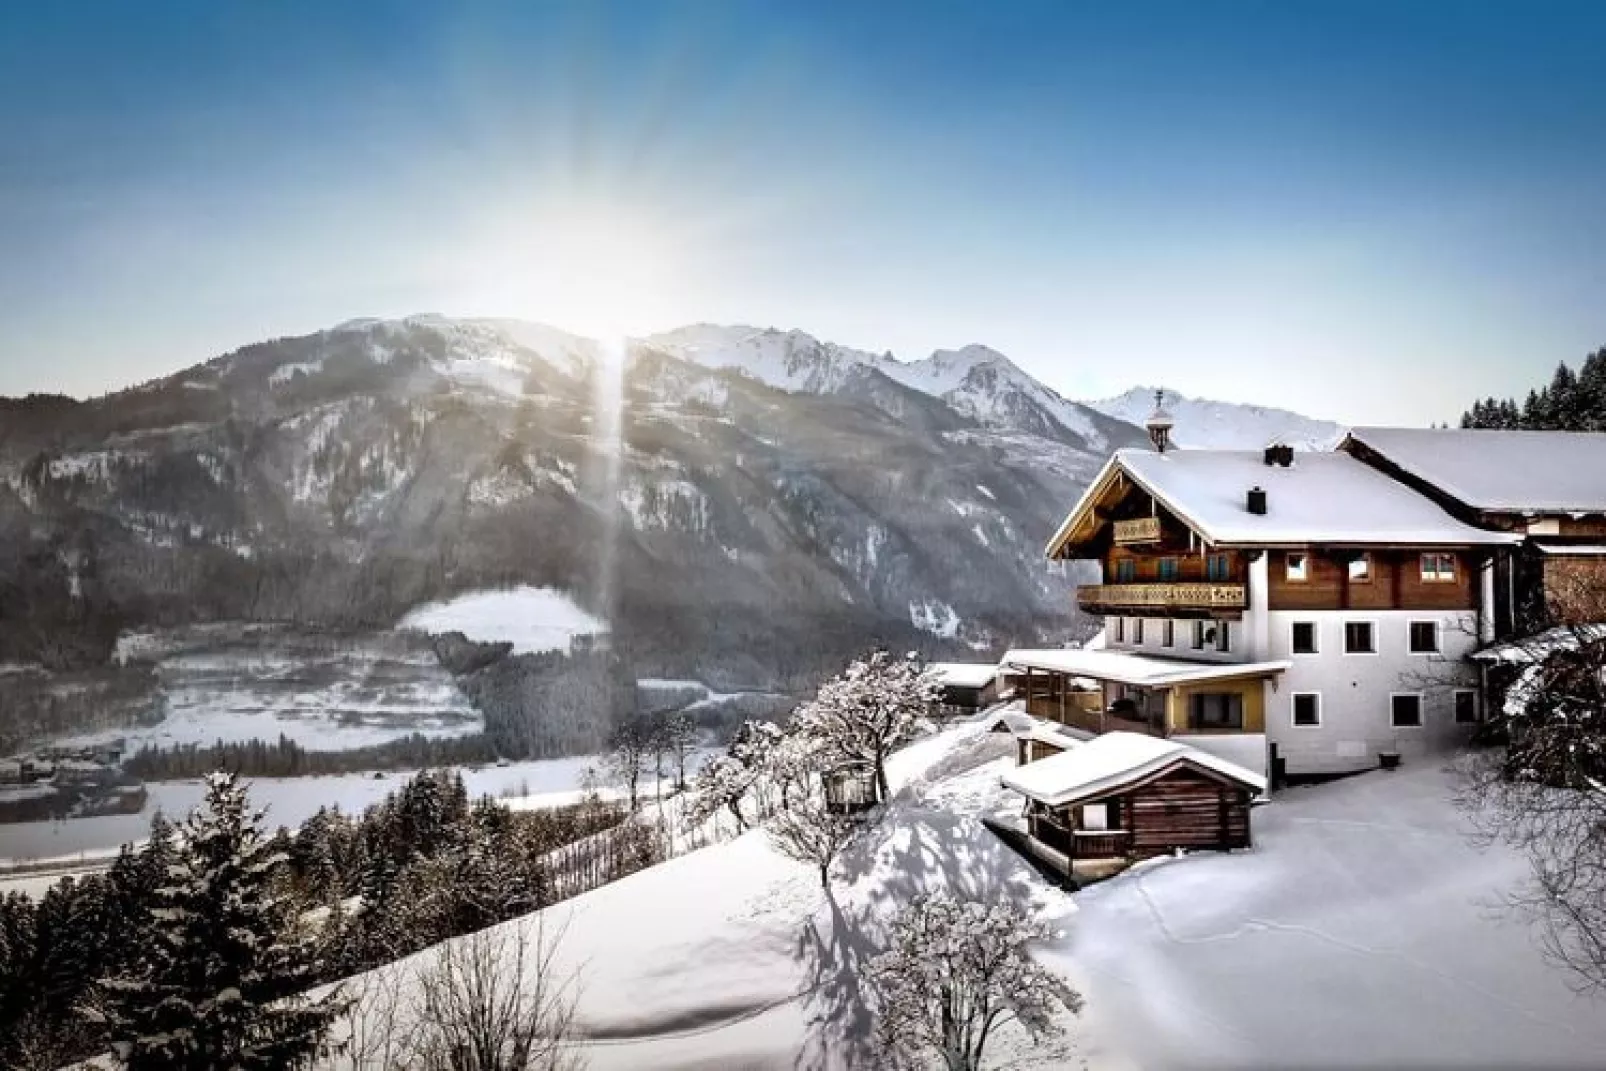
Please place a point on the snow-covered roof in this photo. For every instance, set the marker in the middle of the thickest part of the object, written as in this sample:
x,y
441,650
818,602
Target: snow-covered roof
x,y
1110,761
1501,471
963,674
1135,669
1536,647
1320,498
1573,549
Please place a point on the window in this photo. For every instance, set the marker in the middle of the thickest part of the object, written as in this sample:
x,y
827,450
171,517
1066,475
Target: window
x,y
1295,567
1168,633
1424,637
1358,638
1307,709
1137,630
1168,569
1223,636
1405,710
1216,710
1438,568
1198,635
1126,571
1304,637
1466,706
1216,567
1095,816
1120,630
1360,569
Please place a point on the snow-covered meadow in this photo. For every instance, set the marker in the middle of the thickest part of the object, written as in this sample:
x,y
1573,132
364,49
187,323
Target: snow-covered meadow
x,y
531,619
1363,929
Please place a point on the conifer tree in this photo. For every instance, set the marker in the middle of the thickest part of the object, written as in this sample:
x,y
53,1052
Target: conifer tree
x,y
220,984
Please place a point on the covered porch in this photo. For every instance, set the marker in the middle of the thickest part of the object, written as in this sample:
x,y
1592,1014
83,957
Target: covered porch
x,y
1106,691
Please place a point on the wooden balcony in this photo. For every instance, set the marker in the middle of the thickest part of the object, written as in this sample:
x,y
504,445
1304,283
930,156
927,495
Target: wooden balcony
x,y
1079,716
1164,598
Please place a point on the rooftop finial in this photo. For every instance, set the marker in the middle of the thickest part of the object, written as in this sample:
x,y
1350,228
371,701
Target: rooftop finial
x,y
1159,423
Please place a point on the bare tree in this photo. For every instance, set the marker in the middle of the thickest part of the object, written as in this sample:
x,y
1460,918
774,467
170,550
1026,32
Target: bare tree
x,y
630,749
811,832
956,972
1543,790
861,716
494,1001
679,734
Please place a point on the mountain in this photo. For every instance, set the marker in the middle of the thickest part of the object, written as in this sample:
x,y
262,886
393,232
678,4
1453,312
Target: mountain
x,y
1205,424
771,503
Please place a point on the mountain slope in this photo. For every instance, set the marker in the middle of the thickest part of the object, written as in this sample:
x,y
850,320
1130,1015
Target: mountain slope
x,y
754,534
1204,424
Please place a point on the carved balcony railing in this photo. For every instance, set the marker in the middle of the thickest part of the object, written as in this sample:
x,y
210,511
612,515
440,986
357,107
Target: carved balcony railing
x,y
1163,596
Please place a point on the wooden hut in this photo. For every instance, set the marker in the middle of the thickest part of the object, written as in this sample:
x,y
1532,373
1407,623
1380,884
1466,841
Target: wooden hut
x,y
1129,796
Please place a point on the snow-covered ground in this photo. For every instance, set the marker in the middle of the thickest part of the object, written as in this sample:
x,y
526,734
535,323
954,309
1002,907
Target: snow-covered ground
x,y
531,619
327,692
1361,930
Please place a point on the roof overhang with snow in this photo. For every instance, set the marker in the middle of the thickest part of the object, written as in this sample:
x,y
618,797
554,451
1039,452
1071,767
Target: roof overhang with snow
x,y
1324,497
1115,762
1538,647
1568,550
963,674
1138,670
1498,471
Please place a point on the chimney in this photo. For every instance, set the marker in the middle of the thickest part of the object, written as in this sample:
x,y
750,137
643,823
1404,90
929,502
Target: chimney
x,y
1257,501
1159,424
1280,454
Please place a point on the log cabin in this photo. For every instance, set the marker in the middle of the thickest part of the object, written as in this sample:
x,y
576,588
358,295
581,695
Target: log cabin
x,y
1131,796
1303,614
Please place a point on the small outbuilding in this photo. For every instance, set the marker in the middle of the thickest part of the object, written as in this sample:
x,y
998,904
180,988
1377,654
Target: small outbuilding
x,y
1130,796
966,686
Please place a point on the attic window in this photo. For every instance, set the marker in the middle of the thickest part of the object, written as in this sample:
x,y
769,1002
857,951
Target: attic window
x,y
1295,568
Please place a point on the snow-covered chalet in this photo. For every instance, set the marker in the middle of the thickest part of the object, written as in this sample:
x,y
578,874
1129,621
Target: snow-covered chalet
x,y
1314,612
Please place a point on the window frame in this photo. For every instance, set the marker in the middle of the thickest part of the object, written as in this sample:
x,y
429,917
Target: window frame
x,y
1437,575
1364,558
1120,629
1303,575
1170,570
1223,643
1421,710
1410,639
1137,632
1103,825
1315,638
1477,713
1168,633
1293,710
1218,568
1126,570
1371,626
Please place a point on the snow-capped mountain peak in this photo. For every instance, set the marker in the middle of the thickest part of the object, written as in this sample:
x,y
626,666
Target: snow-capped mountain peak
x,y
1201,423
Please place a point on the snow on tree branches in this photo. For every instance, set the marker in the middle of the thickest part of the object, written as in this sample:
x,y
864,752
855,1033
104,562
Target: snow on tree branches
x,y
220,983
955,972
861,716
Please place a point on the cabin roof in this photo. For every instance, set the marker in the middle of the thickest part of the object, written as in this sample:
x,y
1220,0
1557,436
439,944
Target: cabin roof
x,y
1500,471
1139,670
1322,497
1111,761
963,674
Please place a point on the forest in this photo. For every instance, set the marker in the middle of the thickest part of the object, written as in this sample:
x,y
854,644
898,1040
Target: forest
x,y
1571,401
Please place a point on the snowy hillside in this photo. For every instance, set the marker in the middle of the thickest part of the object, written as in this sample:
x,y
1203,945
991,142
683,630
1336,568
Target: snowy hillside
x,y
1204,424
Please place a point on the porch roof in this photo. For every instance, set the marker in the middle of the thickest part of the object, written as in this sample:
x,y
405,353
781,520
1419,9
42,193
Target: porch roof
x,y
1146,671
1112,761
963,674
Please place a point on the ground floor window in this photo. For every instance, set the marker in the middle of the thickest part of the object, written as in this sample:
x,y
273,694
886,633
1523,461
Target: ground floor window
x,y
1098,816
1120,630
1307,708
1216,710
1424,637
1137,631
1405,710
1304,637
1168,633
1466,706
1198,635
1223,637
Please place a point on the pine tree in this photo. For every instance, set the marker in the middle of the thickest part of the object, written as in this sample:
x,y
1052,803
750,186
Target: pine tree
x,y
221,983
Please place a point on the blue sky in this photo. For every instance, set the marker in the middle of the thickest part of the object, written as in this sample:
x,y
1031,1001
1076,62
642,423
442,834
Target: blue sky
x,y
1372,212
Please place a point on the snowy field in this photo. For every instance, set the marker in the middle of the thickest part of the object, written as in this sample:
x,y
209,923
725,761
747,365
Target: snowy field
x,y
1359,931
289,801
327,692
531,619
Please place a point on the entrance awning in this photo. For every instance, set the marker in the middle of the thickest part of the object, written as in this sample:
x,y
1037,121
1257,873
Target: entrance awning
x,y
1144,671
